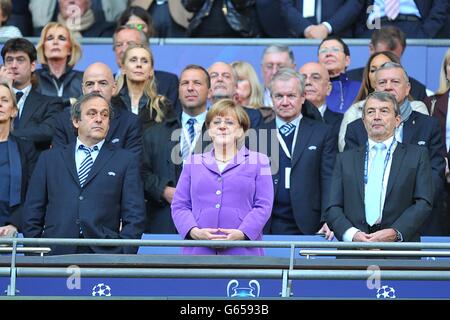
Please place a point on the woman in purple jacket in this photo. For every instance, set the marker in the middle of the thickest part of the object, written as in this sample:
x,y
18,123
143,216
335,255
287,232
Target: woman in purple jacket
x,y
227,193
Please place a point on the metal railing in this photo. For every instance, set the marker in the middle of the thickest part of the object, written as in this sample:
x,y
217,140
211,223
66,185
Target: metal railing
x,y
284,269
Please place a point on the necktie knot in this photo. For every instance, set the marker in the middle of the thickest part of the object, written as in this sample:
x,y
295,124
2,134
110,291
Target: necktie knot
x,y
287,128
88,150
19,95
379,147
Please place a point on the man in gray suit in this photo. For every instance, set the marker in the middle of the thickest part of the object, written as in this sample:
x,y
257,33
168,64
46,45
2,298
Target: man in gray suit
x,y
381,191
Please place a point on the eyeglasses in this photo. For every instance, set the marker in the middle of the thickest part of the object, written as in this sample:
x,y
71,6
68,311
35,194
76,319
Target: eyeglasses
x,y
20,60
137,26
121,44
91,84
332,49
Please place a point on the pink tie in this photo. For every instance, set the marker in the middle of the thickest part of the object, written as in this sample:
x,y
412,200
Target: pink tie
x,y
392,8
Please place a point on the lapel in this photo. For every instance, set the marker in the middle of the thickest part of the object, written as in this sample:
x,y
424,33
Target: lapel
x,y
113,124
15,172
304,133
360,154
409,128
397,160
106,152
32,103
68,153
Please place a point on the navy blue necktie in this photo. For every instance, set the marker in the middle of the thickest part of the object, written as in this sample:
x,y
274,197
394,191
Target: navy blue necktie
x,y
287,128
19,95
86,165
187,144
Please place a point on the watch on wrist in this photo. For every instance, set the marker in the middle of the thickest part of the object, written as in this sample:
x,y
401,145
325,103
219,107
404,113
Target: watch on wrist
x,y
399,237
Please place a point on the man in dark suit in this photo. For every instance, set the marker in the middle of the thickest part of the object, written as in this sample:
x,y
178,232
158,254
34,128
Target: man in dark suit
x,y
391,39
302,153
318,19
382,190
125,127
87,189
166,82
414,128
166,144
418,18
224,85
317,88
34,121
268,14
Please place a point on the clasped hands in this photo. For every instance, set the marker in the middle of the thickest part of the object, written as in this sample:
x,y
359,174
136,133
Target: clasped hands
x,y
216,234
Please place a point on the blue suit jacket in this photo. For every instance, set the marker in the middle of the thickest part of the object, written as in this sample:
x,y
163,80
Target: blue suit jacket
x,y
312,167
419,129
124,130
57,207
340,14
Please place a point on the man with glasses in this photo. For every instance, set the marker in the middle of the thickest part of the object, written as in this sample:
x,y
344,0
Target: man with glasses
x,y
88,188
125,128
166,82
334,54
414,128
34,121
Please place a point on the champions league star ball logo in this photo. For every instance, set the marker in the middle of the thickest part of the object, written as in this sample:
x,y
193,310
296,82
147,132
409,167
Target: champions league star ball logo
x,y
101,290
386,292
234,291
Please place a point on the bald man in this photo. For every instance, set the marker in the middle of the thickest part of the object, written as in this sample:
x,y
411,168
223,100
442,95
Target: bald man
x,y
224,85
317,88
125,129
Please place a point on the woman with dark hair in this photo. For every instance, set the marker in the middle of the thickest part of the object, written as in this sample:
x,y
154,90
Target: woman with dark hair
x,y
58,51
137,18
368,85
17,160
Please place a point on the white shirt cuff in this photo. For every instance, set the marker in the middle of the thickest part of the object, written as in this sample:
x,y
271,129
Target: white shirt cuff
x,y
349,234
330,29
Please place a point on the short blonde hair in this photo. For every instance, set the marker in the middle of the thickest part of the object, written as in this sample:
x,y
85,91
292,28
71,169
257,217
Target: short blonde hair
x,y
75,53
245,70
13,99
444,84
226,107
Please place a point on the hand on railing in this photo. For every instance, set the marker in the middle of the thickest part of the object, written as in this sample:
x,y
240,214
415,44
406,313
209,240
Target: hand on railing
x,y
325,230
8,231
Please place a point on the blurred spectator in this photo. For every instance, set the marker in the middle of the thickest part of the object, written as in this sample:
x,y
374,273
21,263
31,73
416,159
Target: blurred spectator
x,y
221,18
318,19
368,86
58,51
17,160
249,91
418,18
445,30
137,18
169,17
5,30
438,107
268,14
334,54
88,18
390,39
136,87
20,17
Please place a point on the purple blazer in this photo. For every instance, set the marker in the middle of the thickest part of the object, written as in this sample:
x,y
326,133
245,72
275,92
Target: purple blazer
x,y
240,197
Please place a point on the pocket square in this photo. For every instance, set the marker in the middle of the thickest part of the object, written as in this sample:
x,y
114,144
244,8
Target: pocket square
x,y
421,143
112,173
115,140
312,148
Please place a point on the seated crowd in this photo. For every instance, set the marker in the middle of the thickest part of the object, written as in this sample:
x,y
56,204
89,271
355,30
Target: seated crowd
x,y
213,154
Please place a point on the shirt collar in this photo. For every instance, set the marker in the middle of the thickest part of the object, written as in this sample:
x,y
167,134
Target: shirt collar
x,y
387,143
322,109
200,119
99,145
25,90
279,122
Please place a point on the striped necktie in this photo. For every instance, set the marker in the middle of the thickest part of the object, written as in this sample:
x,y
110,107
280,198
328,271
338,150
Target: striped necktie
x,y
187,144
392,8
87,163
287,128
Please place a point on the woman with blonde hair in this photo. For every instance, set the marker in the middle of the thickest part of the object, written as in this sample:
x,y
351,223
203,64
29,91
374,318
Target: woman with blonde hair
x,y
17,160
58,51
249,90
136,87
226,193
